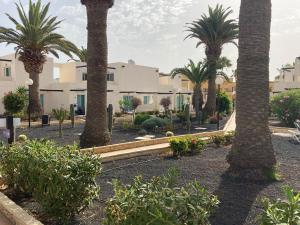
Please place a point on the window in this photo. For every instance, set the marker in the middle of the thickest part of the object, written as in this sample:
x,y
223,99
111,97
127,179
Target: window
x,y
42,100
146,100
110,77
7,71
84,76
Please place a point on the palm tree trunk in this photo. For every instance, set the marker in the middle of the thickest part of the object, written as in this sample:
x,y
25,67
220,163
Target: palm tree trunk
x,y
252,155
96,129
210,106
197,92
34,96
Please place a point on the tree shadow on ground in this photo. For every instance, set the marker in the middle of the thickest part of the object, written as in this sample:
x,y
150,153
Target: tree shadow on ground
x,y
236,198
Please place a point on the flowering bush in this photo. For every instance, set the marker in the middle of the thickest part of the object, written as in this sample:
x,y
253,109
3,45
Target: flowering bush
x,y
286,106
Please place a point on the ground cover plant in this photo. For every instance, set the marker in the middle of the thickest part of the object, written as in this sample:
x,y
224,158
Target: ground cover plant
x,y
60,179
186,145
280,212
159,201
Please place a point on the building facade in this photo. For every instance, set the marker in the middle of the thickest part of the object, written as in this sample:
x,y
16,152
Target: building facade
x,y
65,84
288,79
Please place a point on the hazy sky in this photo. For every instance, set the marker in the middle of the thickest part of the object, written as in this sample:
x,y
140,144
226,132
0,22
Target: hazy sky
x,y
151,32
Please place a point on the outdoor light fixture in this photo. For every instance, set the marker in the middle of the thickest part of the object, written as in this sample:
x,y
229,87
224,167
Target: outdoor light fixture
x,y
219,82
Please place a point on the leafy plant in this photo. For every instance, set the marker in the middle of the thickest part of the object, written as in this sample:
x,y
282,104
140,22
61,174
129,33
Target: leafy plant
x,y
179,146
165,103
125,105
218,140
61,179
14,103
286,106
140,118
228,138
196,144
281,212
60,114
225,102
154,123
159,201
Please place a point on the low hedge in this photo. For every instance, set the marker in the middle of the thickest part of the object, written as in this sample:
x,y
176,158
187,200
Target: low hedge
x,y
153,123
140,118
61,179
186,145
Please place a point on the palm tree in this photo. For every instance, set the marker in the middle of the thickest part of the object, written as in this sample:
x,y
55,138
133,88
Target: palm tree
x,y
213,31
34,38
96,129
252,154
81,54
197,74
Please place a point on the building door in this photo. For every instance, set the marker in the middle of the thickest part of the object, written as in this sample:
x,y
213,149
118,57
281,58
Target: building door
x,y
42,101
81,104
179,102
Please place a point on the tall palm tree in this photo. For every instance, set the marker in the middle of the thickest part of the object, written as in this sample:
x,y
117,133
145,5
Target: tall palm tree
x,y
34,36
213,31
252,154
197,74
81,53
96,130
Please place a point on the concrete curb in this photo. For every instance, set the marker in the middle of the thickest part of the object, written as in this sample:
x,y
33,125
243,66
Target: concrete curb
x,y
14,213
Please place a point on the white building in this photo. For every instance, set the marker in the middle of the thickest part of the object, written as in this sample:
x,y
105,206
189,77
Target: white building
x,y
65,84
289,78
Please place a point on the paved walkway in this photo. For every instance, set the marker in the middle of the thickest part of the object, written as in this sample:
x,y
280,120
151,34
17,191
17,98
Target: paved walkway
x,y
230,125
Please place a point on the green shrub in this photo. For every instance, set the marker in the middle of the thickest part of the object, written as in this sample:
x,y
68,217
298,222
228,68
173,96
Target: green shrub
x,y
159,201
225,102
281,212
218,140
153,123
61,179
22,138
14,103
60,114
179,146
140,118
196,145
286,106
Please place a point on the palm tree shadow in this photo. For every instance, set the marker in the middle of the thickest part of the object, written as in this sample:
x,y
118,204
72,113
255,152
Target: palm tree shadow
x,y
236,199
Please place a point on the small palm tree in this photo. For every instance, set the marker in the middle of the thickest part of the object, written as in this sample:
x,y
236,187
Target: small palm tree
x,y
213,31
60,114
197,74
34,36
96,129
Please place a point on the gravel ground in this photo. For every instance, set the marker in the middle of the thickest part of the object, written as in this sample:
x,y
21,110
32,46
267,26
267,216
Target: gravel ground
x,y
71,135
239,200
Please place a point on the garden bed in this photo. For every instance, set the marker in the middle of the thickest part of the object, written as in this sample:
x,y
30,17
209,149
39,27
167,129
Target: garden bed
x,y
239,200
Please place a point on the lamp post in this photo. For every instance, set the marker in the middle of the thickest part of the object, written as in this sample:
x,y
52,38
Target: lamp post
x,y
29,82
219,82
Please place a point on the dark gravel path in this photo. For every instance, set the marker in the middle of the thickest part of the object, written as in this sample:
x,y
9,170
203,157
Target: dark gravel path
x,y
240,200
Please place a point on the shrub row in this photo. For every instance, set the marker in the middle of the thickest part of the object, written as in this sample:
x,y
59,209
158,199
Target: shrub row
x,y
61,179
225,139
186,145
159,201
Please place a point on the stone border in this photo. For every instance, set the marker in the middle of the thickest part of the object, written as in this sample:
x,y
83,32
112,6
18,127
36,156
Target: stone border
x,y
138,144
14,213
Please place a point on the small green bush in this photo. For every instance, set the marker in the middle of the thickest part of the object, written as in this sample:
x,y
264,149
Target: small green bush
x,y
22,138
196,145
286,106
153,123
159,201
218,140
179,146
281,212
228,138
14,103
61,179
140,118
225,102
